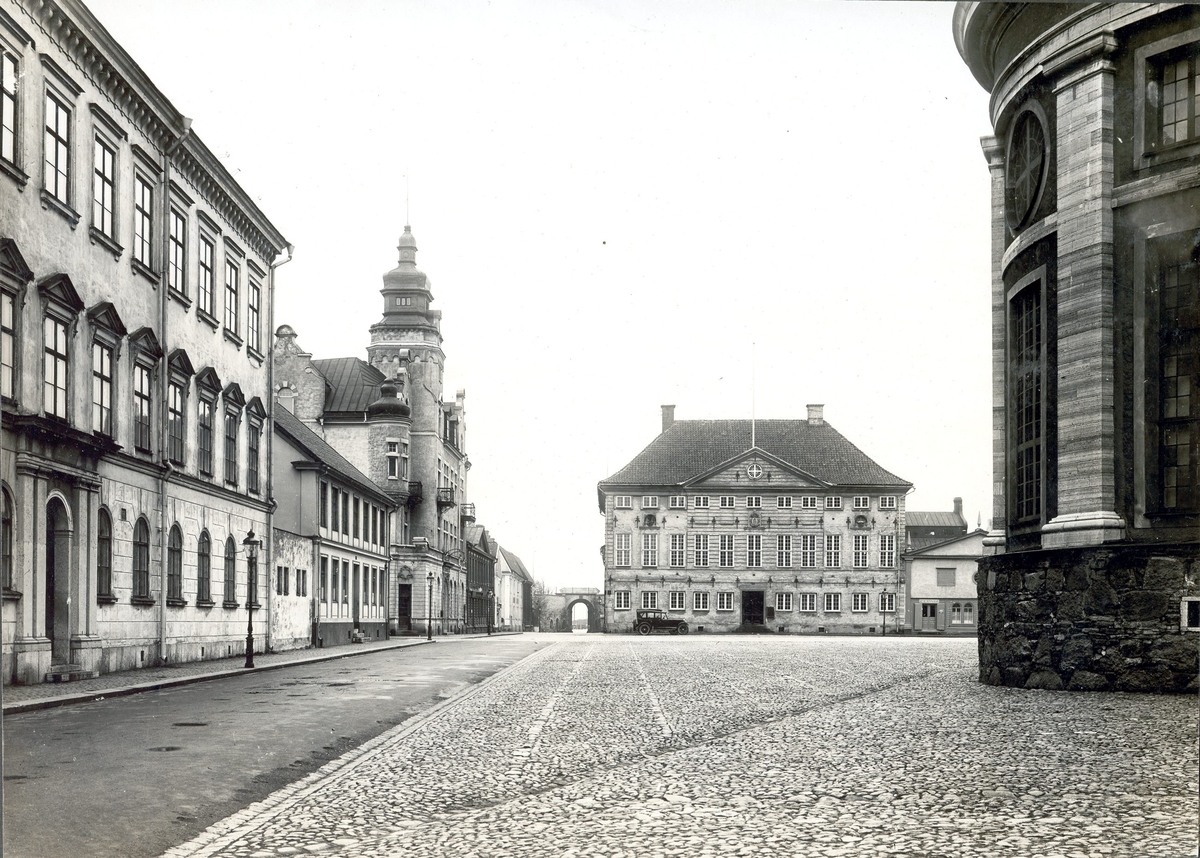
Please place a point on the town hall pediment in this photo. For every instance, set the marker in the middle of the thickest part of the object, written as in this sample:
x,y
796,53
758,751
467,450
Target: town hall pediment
x,y
756,468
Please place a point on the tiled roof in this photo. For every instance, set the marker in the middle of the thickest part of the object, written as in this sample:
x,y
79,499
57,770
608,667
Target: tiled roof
x,y
692,447
474,533
920,545
313,444
917,519
515,564
354,382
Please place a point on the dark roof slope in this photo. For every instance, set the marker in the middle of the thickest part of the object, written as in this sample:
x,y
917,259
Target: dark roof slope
x,y
692,447
915,518
354,383
313,444
515,564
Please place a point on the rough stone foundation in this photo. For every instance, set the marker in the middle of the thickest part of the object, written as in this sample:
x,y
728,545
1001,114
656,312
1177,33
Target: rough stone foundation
x,y
1089,619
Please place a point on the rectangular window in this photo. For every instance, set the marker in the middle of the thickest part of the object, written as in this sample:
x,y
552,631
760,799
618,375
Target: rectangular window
x,y
253,310
726,501
323,511
335,577
231,451
887,602
887,550
143,220
376,514
204,437
700,550
622,549
833,603
58,149
334,506
808,603
279,573
860,551
649,550
1026,359
8,341
677,600
232,286
887,502
622,502
354,531
678,502
754,502
393,459
1179,378
346,581
808,551
860,603
649,599
55,388
808,502
204,284
621,600
946,577
754,550
700,601
175,424
104,181
345,514
833,503
700,502
1179,85
101,389
833,550
678,545
725,551
862,502
649,503
141,407
783,502
177,254
404,461
252,436
783,601
724,601
8,106
783,551
323,583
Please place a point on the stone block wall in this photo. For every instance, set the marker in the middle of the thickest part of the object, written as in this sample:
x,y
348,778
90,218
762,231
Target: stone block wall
x,y
1089,619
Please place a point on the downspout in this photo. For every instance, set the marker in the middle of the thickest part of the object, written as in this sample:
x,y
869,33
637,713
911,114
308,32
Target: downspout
x,y
166,469
270,433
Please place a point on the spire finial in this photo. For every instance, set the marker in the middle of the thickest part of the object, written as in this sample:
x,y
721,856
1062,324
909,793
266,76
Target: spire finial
x,y
752,438
407,219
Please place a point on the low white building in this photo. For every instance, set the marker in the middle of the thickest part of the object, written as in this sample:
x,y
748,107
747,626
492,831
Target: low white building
x,y
941,589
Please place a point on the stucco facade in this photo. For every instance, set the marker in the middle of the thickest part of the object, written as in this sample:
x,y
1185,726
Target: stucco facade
x,y
941,583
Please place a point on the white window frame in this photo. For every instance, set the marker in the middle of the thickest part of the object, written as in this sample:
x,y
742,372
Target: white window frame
x,y
622,549
649,502
887,502
887,603
808,502
833,551
649,550
887,550
621,600
725,601
677,502
783,550
754,502
754,550
833,603
700,502
725,551
783,502
862,502
808,551
676,600
807,603
700,600
700,550
678,550
392,449
861,545
833,502
726,501
649,600
783,602
860,603
622,502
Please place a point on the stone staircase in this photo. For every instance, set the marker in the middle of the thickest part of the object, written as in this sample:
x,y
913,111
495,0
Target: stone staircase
x,y
69,673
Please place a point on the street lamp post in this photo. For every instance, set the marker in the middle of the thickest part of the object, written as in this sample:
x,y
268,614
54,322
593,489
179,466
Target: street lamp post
x,y
491,609
429,608
251,544
885,595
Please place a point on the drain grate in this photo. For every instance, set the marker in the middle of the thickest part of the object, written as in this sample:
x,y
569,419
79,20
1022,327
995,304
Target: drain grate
x,y
168,748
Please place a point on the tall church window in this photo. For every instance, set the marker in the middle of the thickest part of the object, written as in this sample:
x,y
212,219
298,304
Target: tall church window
x,y
1179,377
1026,371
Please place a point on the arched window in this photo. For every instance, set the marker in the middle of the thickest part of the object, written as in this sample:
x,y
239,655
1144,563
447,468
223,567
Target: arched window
x,y
230,573
204,569
968,613
141,560
104,555
175,566
956,614
6,546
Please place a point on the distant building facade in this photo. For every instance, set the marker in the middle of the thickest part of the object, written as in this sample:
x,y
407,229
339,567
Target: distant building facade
x,y
940,581
387,417
1091,582
781,525
515,602
481,579
136,288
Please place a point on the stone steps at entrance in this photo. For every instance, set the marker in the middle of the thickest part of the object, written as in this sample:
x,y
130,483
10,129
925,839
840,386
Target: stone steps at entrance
x,y
68,673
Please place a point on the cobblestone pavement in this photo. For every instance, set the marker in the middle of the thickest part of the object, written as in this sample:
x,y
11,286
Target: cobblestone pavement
x,y
624,746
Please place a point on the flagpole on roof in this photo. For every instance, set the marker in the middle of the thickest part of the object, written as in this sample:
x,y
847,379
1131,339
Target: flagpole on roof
x,y
752,368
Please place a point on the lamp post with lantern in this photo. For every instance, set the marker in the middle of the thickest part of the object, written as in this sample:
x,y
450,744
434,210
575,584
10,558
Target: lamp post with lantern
x,y
491,610
251,545
429,608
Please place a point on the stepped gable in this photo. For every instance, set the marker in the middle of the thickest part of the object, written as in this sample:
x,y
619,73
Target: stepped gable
x,y
689,448
353,383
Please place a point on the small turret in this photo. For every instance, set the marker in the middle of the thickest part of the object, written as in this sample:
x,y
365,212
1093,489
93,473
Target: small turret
x,y
388,406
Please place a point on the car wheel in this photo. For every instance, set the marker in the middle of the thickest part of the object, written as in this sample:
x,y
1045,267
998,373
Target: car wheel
x,y
644,629
682,630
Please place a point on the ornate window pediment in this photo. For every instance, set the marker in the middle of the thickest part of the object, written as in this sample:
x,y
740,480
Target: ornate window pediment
x,y
208,384
179,365
58,289
12,263
233,396
143,345
104,316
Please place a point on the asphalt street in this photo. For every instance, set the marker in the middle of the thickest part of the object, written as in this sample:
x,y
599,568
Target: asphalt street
x,y
132,776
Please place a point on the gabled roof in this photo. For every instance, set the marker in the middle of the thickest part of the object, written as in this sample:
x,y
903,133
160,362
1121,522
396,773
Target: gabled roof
x,y
515,564
316,447
689,448
353,383
944,542
915,518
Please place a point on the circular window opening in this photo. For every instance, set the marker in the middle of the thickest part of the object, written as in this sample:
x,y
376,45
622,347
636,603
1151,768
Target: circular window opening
x,y
1026,171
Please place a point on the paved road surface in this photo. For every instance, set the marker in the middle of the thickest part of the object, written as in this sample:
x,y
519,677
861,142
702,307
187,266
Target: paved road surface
x,y
135,775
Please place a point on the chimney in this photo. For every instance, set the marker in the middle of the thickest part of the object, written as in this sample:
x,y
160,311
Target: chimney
x,y
816,415
958,507
668,416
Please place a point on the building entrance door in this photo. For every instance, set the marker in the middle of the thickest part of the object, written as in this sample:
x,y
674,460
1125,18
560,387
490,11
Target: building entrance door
x,y
58,582
356,597
404,606
752,607
929,616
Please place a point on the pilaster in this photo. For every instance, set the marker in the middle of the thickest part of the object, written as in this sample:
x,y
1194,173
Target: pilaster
x,y
993,151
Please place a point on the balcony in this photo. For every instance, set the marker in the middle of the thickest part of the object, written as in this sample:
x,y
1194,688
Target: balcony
x,y
468,512
415,493
445,497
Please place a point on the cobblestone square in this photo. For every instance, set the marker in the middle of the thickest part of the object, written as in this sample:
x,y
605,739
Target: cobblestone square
x,y
734,745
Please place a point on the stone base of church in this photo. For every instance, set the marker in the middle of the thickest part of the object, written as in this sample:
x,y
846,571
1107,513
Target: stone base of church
x,y
1090,619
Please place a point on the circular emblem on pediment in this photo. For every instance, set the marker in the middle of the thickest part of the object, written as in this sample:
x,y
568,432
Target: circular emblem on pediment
x,y
754,471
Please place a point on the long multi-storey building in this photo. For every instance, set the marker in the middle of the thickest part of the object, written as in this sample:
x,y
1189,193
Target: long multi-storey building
x,y
136,286
745,525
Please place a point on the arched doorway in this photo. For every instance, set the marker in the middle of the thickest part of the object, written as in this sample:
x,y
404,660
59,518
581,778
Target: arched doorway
x,y
58,581
593,615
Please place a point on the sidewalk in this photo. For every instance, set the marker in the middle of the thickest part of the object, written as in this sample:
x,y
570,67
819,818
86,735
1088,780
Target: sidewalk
x,y
27,698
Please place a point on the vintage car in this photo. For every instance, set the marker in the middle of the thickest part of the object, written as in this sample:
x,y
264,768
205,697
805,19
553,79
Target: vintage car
x,y
657,621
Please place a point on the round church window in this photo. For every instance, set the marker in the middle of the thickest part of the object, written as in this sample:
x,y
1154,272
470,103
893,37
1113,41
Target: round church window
x,y
1026,170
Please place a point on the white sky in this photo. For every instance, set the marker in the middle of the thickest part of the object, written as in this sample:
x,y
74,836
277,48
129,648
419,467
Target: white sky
x,y
613,201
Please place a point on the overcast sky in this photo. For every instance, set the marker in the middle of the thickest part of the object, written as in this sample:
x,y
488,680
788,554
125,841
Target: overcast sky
x,y
618,204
